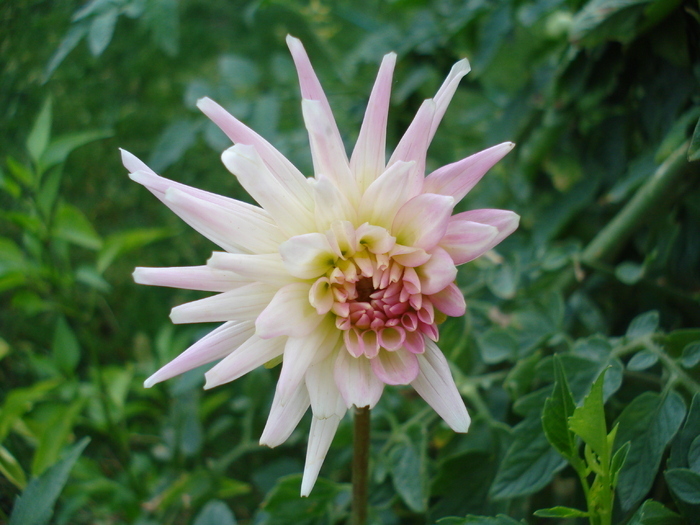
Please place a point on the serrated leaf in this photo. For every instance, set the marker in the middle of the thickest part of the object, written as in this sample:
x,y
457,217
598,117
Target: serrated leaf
x,y
654,513
72,226
691,355
561,512
101,31
685,484
558,408
588,421
649,423
215,512
38,137
644,324
35,505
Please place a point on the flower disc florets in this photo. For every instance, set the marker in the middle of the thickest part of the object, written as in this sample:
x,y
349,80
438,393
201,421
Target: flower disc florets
x,y
342,275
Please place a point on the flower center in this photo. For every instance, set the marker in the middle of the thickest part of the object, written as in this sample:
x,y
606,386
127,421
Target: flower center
x,y
364,289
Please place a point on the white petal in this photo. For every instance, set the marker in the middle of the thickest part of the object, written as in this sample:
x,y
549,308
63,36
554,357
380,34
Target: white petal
x,y
331,204
414,143
290,214
253,353
320,438
211,347
190,278
357,383
242,304
266,268
289,313
423,220
284,418
437,273
232,229
326,400
467,240
307,256
435,384
369,156
394,188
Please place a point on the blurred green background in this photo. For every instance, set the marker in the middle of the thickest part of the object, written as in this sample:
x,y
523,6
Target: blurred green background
x,y
602,98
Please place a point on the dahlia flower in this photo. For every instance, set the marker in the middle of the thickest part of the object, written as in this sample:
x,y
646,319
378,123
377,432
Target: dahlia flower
x,y
344,275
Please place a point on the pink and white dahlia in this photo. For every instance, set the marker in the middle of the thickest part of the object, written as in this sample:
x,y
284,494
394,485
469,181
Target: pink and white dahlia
x,y
344,274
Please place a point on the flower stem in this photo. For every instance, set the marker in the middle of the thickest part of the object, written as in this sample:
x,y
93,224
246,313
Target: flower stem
x,y
360,466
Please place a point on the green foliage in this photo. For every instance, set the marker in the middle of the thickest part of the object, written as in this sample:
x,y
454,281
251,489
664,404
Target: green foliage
x,y
578,356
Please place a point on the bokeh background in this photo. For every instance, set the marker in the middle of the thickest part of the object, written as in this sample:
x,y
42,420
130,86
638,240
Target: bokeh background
x,y
602,98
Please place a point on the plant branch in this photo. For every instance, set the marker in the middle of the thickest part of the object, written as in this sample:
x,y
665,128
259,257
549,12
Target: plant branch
x,y
360,466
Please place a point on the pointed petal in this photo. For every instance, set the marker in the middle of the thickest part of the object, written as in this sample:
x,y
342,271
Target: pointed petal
x,y
414,143
435,384
458,178
211,347
399,367
241,304
320,438
253,353
265,268
284,418
369,156
331,204
357,383
289,313
285,171
449,301
326,400
301,352
385,196
285,207
232,229
327,150
467,240
307,256
447,91
505,221
190,278
423,220
437,273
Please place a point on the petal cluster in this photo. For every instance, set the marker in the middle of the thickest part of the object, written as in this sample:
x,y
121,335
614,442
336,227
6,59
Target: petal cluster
x,y
343,275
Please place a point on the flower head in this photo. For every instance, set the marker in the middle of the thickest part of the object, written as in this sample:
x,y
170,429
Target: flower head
x,y
344,275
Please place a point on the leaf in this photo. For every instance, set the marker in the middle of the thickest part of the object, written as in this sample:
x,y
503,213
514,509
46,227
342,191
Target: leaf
x,y
649,423
618,461
20,172
561,512
38,137
173,143
283,504
529,464
72,226
55,435
59,148
694,148
215,512
629,272
500,519
654,513
694,455
588,421
101,31
20,401
72,38
644,324
409,467
558,408
496,345
685,484
118,244
35,505
642,360
691,355
11,469
162,16
65,347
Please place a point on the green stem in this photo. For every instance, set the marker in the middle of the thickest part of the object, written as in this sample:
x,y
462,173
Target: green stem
x,y
360,466
618,230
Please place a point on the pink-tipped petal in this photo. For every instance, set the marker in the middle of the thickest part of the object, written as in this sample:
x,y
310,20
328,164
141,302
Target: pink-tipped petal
x,y
201,278
505,221
242,304
369,155
437,273
458,178
289,212
385,196
265,268
423,220
447,91
399,367
284,418
233,230
357,383
320,438
250,355
467,240
307,256
449,301
415,342
288,313
413,146
132,163
290,177
211,347
434,383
